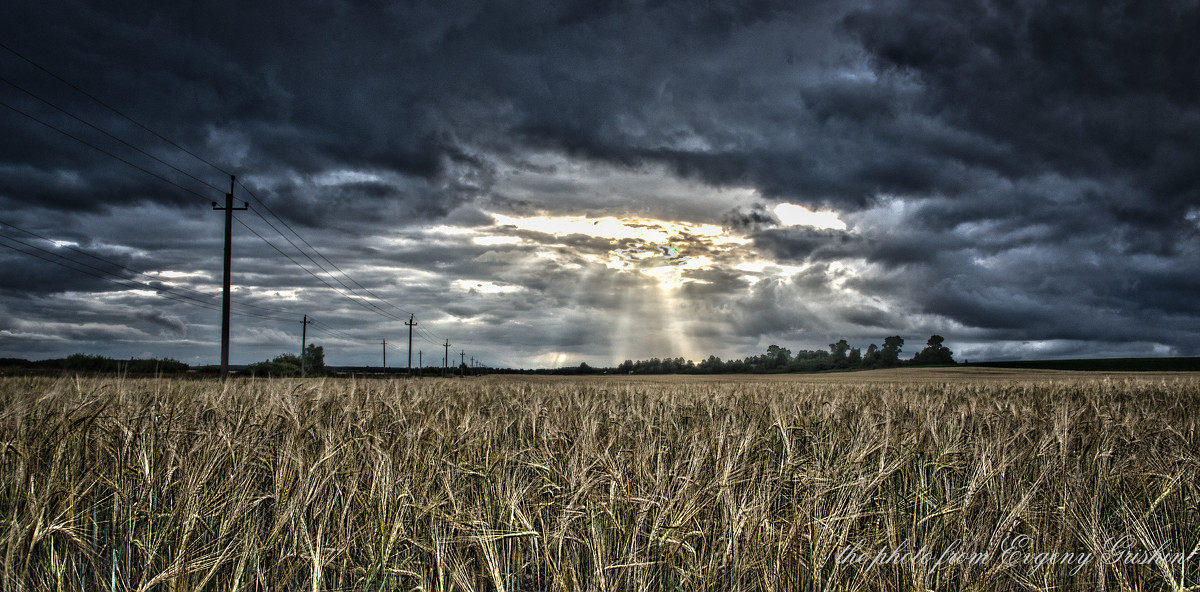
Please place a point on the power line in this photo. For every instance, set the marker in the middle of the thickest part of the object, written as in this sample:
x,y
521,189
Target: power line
x,y
314,262
314,249
122,282
325,327
369,302
95,147
103,260
105,132
307,270
100,273
111,108
426,335
163,287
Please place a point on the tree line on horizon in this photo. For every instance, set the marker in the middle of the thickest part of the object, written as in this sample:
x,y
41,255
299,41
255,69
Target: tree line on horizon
x,y
97,364
777,359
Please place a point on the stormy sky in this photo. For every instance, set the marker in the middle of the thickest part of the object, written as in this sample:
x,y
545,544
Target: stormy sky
x,y
547,183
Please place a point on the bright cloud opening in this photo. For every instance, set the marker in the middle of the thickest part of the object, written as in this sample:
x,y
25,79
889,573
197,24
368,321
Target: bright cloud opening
x,y
656,248
491,241
484,287
794,215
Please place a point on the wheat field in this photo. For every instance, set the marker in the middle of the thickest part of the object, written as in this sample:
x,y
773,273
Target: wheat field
x,y
936,480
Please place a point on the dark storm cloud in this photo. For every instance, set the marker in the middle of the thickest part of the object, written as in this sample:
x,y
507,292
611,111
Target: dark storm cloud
x,y
1103,90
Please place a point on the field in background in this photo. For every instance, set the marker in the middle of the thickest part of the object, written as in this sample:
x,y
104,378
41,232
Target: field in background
x,y
1106,364
973,476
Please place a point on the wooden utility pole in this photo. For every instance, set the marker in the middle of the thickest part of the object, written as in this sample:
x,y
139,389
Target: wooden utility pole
x,y
420,363
228,209
385,356
410,322
446,359
303,341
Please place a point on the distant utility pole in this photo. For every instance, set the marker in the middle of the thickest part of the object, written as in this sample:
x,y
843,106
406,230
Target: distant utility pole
x,y
228,209
446,359
420,363
410,322
462,361
303,343
385,356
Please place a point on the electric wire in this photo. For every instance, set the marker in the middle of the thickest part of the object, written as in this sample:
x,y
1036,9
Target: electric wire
x,y
99,276
428,335
96,270
333,331
111,108
95,147
314,262
105,132
165,286
106,261
123,282
307,270
284,223
314,249
334,335
431,335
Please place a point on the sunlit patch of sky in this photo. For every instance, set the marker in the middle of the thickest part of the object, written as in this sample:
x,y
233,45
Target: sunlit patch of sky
x,y
344,177
489,241
650,231
662,249
484,287
797,215
292,295
171,274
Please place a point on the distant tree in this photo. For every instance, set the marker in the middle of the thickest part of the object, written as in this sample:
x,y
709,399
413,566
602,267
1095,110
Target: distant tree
x,y
102,364
855,357
314,360
711,365
871,358
934,352
837,353
89,363
283,366
890,354
776,358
